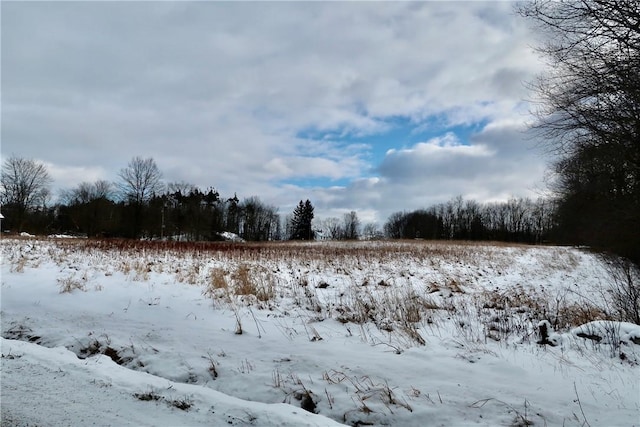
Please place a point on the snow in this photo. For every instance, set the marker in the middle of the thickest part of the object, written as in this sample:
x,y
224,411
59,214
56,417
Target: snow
x,y
70,311
97,390
232,237
610,332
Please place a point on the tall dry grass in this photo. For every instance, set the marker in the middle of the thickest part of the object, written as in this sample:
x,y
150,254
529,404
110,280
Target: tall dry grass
x,y
402,287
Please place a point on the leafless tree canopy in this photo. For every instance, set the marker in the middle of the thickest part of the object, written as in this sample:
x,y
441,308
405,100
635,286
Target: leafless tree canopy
x,y
351,226
140,180
590,95
181,187
25,183
86,192
589,116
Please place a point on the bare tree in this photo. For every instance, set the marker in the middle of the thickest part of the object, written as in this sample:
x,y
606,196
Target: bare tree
x,y
623,293
590,94
140,180
589,116
24,186
259,222
88,206
351,226
371,231
87,192
331,228
180,187
395,226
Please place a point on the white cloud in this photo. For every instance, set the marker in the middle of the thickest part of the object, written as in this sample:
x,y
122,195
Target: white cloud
x,y
498,164
297,167
443,157
220,92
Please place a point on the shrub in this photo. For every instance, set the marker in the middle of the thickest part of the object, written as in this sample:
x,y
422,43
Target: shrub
x,y
69,284
623,293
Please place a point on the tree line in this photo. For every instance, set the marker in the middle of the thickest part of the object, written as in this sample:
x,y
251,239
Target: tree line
x,y
516,220
137,205
588,116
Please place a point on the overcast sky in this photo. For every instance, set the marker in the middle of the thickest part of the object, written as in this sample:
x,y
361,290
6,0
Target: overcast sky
x,y
367,106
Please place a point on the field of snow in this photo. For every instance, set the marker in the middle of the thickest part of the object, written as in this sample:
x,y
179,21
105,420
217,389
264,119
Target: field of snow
x,y
317,334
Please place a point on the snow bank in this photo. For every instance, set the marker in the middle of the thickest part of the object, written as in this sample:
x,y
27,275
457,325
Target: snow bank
x,y
182,363
98,391
609,332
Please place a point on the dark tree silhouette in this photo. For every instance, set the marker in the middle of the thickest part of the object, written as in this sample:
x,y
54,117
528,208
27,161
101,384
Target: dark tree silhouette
x,y
351,227
89,207
516,220
139,181
259,221
24,186
589,116
300,227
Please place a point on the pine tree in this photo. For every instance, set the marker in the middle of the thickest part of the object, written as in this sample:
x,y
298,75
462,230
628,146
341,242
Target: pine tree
x,y
301,222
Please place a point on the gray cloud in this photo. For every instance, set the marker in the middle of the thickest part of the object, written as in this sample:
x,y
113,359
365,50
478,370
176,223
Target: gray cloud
x,y
499,163
441,157
219,93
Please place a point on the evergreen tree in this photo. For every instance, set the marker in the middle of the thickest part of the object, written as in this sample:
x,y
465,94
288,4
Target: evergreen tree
x,y
301,222
233,215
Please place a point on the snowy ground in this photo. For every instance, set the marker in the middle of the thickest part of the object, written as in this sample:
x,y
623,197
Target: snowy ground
x,y
409,334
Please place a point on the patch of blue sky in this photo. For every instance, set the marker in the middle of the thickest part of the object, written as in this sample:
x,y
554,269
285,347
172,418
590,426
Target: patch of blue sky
x,y
318,182
400,132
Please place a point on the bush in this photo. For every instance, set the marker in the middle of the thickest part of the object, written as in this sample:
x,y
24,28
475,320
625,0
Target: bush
x,y
623,293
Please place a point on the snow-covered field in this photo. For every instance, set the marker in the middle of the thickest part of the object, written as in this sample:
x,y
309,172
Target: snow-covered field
x,y
366,333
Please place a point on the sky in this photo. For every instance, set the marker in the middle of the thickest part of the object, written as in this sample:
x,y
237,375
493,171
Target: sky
x,y
375,107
